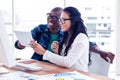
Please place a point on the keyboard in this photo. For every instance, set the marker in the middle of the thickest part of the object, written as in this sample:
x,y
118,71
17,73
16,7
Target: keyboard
x,y
27,67
3,70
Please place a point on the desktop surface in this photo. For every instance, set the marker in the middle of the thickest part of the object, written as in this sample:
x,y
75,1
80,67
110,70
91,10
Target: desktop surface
x,y
48,68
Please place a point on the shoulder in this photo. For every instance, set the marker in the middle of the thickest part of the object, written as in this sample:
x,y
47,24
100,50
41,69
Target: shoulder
x,y
81,37
81,40
40,27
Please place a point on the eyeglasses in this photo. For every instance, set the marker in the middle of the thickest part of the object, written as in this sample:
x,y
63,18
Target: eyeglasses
x,y
62,20
49,16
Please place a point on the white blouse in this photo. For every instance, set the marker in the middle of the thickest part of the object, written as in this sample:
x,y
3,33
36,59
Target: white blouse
x,y
77,57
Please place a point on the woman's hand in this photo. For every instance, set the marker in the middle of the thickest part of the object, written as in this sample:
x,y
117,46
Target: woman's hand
x,y
37,47
55,46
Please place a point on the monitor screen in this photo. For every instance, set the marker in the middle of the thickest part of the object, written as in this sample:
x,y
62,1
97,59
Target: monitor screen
x,y
6,50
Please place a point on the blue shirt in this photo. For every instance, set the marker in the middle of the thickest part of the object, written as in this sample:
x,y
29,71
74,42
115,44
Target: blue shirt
x,y
41,34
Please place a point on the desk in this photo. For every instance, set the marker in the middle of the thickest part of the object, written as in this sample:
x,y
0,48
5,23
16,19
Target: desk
x,y
52,68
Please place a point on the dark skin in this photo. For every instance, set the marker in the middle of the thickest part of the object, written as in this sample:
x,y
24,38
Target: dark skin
x,y
104,54
54,27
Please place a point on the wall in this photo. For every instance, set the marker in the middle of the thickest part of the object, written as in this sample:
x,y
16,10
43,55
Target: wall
x,y
118,38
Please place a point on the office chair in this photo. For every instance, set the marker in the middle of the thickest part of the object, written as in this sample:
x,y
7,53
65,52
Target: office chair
x,y
99,65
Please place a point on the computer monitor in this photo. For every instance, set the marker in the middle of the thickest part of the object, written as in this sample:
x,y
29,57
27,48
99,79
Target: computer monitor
x,y
6,50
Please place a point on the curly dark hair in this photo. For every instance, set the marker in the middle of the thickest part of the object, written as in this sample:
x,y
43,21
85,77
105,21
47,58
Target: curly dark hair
x,y
77,26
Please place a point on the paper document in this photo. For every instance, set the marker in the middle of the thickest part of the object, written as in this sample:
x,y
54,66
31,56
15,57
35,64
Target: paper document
x,y
66,76
24,37
19,76
58,76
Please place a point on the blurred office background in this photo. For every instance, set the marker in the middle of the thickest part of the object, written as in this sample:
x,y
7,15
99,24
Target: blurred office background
x,y
99,17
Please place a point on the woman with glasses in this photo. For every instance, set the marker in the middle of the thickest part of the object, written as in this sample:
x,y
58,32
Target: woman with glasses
x,y
73,51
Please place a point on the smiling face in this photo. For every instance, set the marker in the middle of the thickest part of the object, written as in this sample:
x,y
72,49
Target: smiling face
x,y
53,21
65,22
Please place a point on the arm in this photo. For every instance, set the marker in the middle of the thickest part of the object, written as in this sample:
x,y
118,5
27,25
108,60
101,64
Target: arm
x,y
76,52
104,54
34,31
